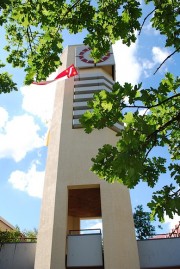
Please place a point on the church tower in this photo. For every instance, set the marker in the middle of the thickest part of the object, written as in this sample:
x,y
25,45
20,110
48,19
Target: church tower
x,y
71,191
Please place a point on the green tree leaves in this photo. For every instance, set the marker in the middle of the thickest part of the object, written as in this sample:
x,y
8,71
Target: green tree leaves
x,y
34,30
132,160
16,235
6,83
142,222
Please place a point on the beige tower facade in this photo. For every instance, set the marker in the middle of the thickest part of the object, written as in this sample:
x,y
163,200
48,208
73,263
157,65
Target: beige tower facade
x,y
71,191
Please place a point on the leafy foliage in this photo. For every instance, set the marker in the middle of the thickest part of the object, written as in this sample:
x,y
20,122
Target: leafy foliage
x,y
10,236
31,235
14,236
143,225
6,83
34,30
152,120
166,20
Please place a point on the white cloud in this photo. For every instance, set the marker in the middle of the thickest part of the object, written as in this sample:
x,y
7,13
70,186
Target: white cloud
x,y
18,136
172,222
39,100
97,225
147,64
144,111
159,54
92,224
128,68
3,117
30,182
149,30
126,100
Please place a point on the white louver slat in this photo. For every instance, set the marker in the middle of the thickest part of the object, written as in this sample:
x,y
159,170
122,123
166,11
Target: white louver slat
x,y
84,88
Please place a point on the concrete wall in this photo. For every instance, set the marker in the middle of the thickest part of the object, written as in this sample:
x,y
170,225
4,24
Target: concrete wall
x,y
159,253
17,255
84,250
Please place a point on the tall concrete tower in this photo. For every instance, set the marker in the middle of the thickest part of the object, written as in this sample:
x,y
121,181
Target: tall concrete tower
x,y
71,191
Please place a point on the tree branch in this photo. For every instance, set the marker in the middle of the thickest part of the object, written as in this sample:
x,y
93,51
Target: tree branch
x,y
166,59
147,153
68,10
166,100
145,20
161,128
158,104
29,39
176,193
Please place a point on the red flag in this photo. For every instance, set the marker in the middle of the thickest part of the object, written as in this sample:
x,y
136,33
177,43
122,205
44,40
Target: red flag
x,y
67,73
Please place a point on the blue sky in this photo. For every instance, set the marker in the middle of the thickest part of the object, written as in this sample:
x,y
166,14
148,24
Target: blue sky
x,y
25,116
